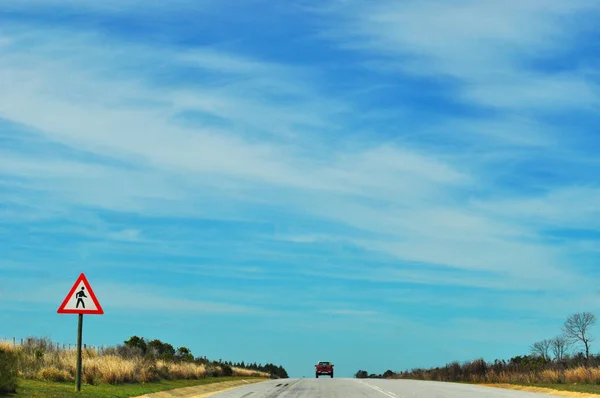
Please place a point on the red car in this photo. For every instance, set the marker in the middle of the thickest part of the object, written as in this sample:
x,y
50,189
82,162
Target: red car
x,y
324,368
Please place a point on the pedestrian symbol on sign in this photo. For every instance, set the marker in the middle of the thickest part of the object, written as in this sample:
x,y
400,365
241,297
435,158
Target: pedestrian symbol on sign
x,y
80,296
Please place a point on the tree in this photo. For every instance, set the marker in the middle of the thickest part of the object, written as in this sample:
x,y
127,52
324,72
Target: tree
x,y
542,348
184,354
559,346
139,342
226,369
388,373
576,329
162,350
361,374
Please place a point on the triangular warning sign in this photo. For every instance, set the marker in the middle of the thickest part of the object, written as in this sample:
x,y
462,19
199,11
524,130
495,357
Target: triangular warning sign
x,y
81,299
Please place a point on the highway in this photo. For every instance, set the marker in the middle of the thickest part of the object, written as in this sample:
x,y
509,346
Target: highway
x,y
368,388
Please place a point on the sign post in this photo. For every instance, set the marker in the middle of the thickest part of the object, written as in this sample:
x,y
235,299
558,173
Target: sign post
x,y
79,359
78,302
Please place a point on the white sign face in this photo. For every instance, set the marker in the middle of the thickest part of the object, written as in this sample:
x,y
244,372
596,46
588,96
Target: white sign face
x,y
81,299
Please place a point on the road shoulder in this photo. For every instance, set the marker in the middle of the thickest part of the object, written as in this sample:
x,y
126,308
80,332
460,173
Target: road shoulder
x,y
542,390
200,391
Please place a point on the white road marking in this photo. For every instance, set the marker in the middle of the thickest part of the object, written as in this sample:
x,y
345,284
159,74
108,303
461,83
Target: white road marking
x,y
387,393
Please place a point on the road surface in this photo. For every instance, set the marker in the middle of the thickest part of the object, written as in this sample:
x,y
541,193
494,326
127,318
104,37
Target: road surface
x,y
368,388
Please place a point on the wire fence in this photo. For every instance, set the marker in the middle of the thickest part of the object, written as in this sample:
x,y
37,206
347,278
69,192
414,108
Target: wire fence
x,y
31,342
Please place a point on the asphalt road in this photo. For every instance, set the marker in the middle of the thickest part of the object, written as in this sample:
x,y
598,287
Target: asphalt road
x,y
371,388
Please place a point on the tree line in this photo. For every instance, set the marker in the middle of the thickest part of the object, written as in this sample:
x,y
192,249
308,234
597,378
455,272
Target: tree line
x,y
139,346
552,359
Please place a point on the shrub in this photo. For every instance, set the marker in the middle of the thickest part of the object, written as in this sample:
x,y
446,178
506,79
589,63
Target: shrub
x,y
361,374
213,371
148,372
127,351
137,342
226,370
55,374
8,371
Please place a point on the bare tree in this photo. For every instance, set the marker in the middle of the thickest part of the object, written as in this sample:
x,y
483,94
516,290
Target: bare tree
x,y
576,329
542,348
559,347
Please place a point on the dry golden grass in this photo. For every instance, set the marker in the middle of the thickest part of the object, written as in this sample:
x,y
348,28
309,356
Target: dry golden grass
x,y
248,373
182,370
581,375
6,346
548,376
111,369
552,377
542,390
55,365
54,374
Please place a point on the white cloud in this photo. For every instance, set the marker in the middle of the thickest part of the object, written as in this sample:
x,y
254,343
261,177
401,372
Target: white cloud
x,y
485,46
348,312
115,297
222,62
126,235
127,298
425,206
564,207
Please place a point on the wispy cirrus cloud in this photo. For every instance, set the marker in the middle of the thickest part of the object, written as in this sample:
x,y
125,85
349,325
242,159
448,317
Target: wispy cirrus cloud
x,y
491,50
407,183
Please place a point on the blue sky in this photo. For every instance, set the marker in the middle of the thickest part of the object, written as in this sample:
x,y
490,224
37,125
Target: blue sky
x,y
381,184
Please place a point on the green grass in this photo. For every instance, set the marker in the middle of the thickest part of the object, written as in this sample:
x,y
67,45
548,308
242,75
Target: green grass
x,y
39,389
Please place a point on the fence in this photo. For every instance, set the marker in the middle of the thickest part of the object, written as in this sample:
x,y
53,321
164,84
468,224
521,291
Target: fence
x,y
22,342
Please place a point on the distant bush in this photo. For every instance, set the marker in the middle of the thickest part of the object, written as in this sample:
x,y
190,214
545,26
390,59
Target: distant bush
x,y
148,372
361,374
9,371
158,349
226,370
520,369
184,354
138,343
52,373
213,371
129,352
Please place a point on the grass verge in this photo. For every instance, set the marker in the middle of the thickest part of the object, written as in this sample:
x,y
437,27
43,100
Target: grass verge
x,y
39,389
565,390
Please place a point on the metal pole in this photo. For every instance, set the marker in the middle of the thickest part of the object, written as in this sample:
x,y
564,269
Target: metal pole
x,y
79,333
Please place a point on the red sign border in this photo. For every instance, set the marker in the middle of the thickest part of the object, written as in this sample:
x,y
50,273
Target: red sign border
x,y
97,311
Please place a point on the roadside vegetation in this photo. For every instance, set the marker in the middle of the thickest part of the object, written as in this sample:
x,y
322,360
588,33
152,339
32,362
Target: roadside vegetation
x,y
137,360
560,361
44,389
